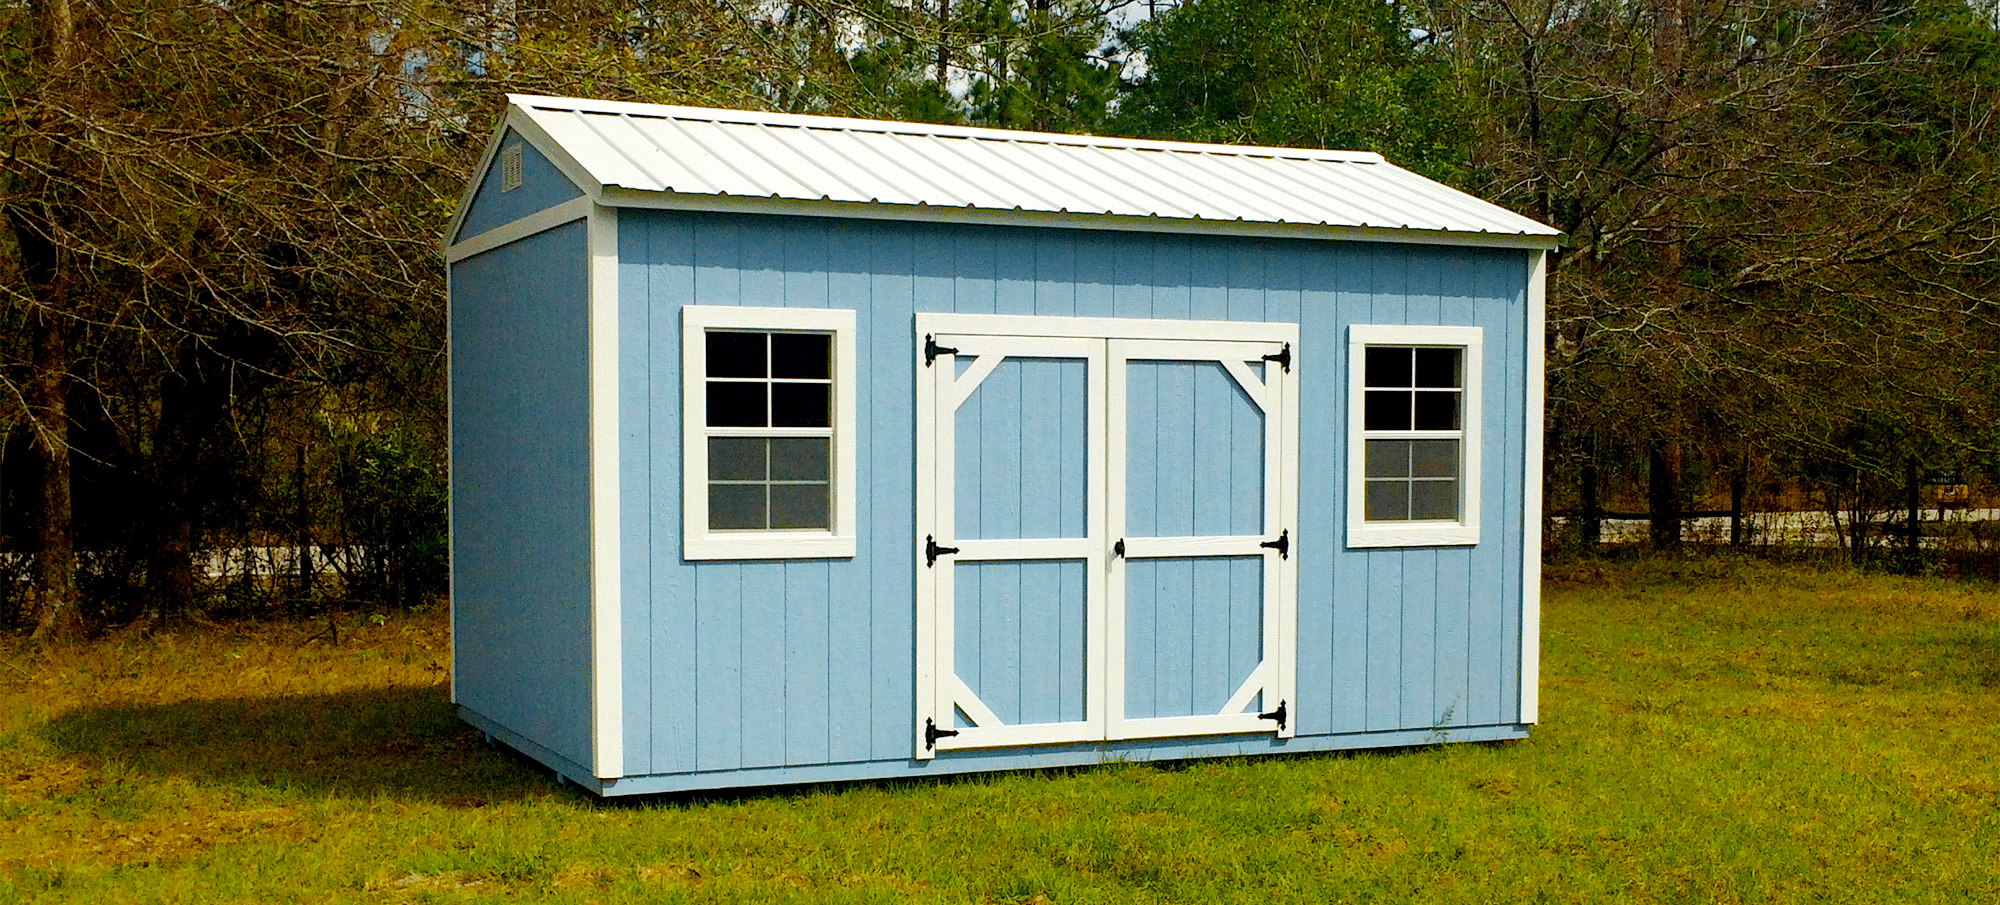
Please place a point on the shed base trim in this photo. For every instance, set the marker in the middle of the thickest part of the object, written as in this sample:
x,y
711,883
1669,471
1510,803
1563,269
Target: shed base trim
x,y
1037,758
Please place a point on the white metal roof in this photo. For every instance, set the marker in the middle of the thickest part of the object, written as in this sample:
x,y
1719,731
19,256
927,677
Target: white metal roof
x,y
664,156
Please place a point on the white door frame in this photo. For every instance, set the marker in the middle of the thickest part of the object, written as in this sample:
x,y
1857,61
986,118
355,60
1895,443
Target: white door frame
x,y
1272,680
1105,344
941,390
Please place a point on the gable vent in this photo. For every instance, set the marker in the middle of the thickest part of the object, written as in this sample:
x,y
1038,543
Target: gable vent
x,y
510,168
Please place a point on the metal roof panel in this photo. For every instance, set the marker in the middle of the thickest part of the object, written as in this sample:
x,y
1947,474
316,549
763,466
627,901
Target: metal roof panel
x,y
695,152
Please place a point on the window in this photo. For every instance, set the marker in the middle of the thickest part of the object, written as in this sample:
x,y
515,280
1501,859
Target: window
x,y
768,440
1413,437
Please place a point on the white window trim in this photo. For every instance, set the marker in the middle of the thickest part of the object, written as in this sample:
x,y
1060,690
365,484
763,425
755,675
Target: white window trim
x,y
698,541
1462,531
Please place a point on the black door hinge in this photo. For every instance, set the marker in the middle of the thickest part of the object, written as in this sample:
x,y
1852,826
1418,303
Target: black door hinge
x,y
932,551
932,733
1283,358
1278,715
1283,544
932,350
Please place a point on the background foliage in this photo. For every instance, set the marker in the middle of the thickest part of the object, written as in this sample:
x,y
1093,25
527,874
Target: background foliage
x,y
221,300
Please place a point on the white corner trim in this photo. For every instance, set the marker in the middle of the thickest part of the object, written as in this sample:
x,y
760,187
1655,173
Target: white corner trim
x,y
450,503
545,219
1531,487
697,541
606,596
1464,531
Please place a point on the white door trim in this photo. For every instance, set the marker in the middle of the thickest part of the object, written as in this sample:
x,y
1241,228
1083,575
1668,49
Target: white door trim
x,y
1105,344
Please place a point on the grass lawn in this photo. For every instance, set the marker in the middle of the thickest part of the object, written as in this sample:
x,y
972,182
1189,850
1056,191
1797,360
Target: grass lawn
x,y
1712,732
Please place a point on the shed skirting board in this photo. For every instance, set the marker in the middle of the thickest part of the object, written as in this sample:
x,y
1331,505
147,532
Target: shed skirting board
x,y
568,769
1033,758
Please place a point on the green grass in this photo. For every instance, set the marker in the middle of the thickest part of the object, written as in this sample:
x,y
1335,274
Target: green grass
x,y
1712,732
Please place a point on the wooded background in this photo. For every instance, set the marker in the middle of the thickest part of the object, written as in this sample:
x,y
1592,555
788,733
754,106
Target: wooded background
x,y
222,332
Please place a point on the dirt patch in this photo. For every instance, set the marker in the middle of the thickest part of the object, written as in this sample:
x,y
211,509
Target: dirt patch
x,y
157,841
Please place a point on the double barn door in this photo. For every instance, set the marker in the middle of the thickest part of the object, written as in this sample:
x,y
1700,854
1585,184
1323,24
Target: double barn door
x,y
1105,529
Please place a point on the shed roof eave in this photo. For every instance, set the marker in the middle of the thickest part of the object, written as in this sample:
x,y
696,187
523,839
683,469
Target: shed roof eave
x,y
617,196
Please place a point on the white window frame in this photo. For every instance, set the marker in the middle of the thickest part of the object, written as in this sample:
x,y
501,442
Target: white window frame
x,y
698,541
1461,531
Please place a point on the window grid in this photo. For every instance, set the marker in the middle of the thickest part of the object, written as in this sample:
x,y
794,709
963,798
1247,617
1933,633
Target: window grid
x,y
1397,487
771,502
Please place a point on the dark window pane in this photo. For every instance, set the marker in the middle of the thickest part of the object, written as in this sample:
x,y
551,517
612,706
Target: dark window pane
x,y
736,506
736,458
801,405
736,354
1439,367
736,405
1434,458
800,459
1434,500
1437,411
1387,366
1388,501
1388,458
800,506
1386,411
807,355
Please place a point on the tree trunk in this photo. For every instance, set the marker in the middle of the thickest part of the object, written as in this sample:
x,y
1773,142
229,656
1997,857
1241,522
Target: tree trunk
x,y
187,418
1738,485
58,613
56,606
944,47
1663,485
1590,524
1913,539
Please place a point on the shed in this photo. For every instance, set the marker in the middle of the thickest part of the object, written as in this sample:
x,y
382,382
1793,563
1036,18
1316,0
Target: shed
x,y
793,449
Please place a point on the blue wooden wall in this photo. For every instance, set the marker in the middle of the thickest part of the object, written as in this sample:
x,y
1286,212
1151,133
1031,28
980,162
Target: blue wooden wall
x,y
542,186
741,666
520,489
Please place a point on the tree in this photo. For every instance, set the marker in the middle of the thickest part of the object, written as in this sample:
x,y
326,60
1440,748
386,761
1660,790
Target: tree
x,y
1299,73
224,218
1751,225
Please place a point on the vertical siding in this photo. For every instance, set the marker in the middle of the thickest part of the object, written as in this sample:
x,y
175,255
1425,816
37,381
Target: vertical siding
x,y
735,665
894,260
1194,632
1419,600
1194,452
637,617
1021,464
542,187
1018,637
520,489
848,650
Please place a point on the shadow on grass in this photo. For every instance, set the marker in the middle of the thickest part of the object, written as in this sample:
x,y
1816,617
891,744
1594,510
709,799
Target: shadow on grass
x,y
406,743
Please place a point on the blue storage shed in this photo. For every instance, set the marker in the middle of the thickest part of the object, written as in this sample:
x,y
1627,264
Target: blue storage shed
x,y
792,449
